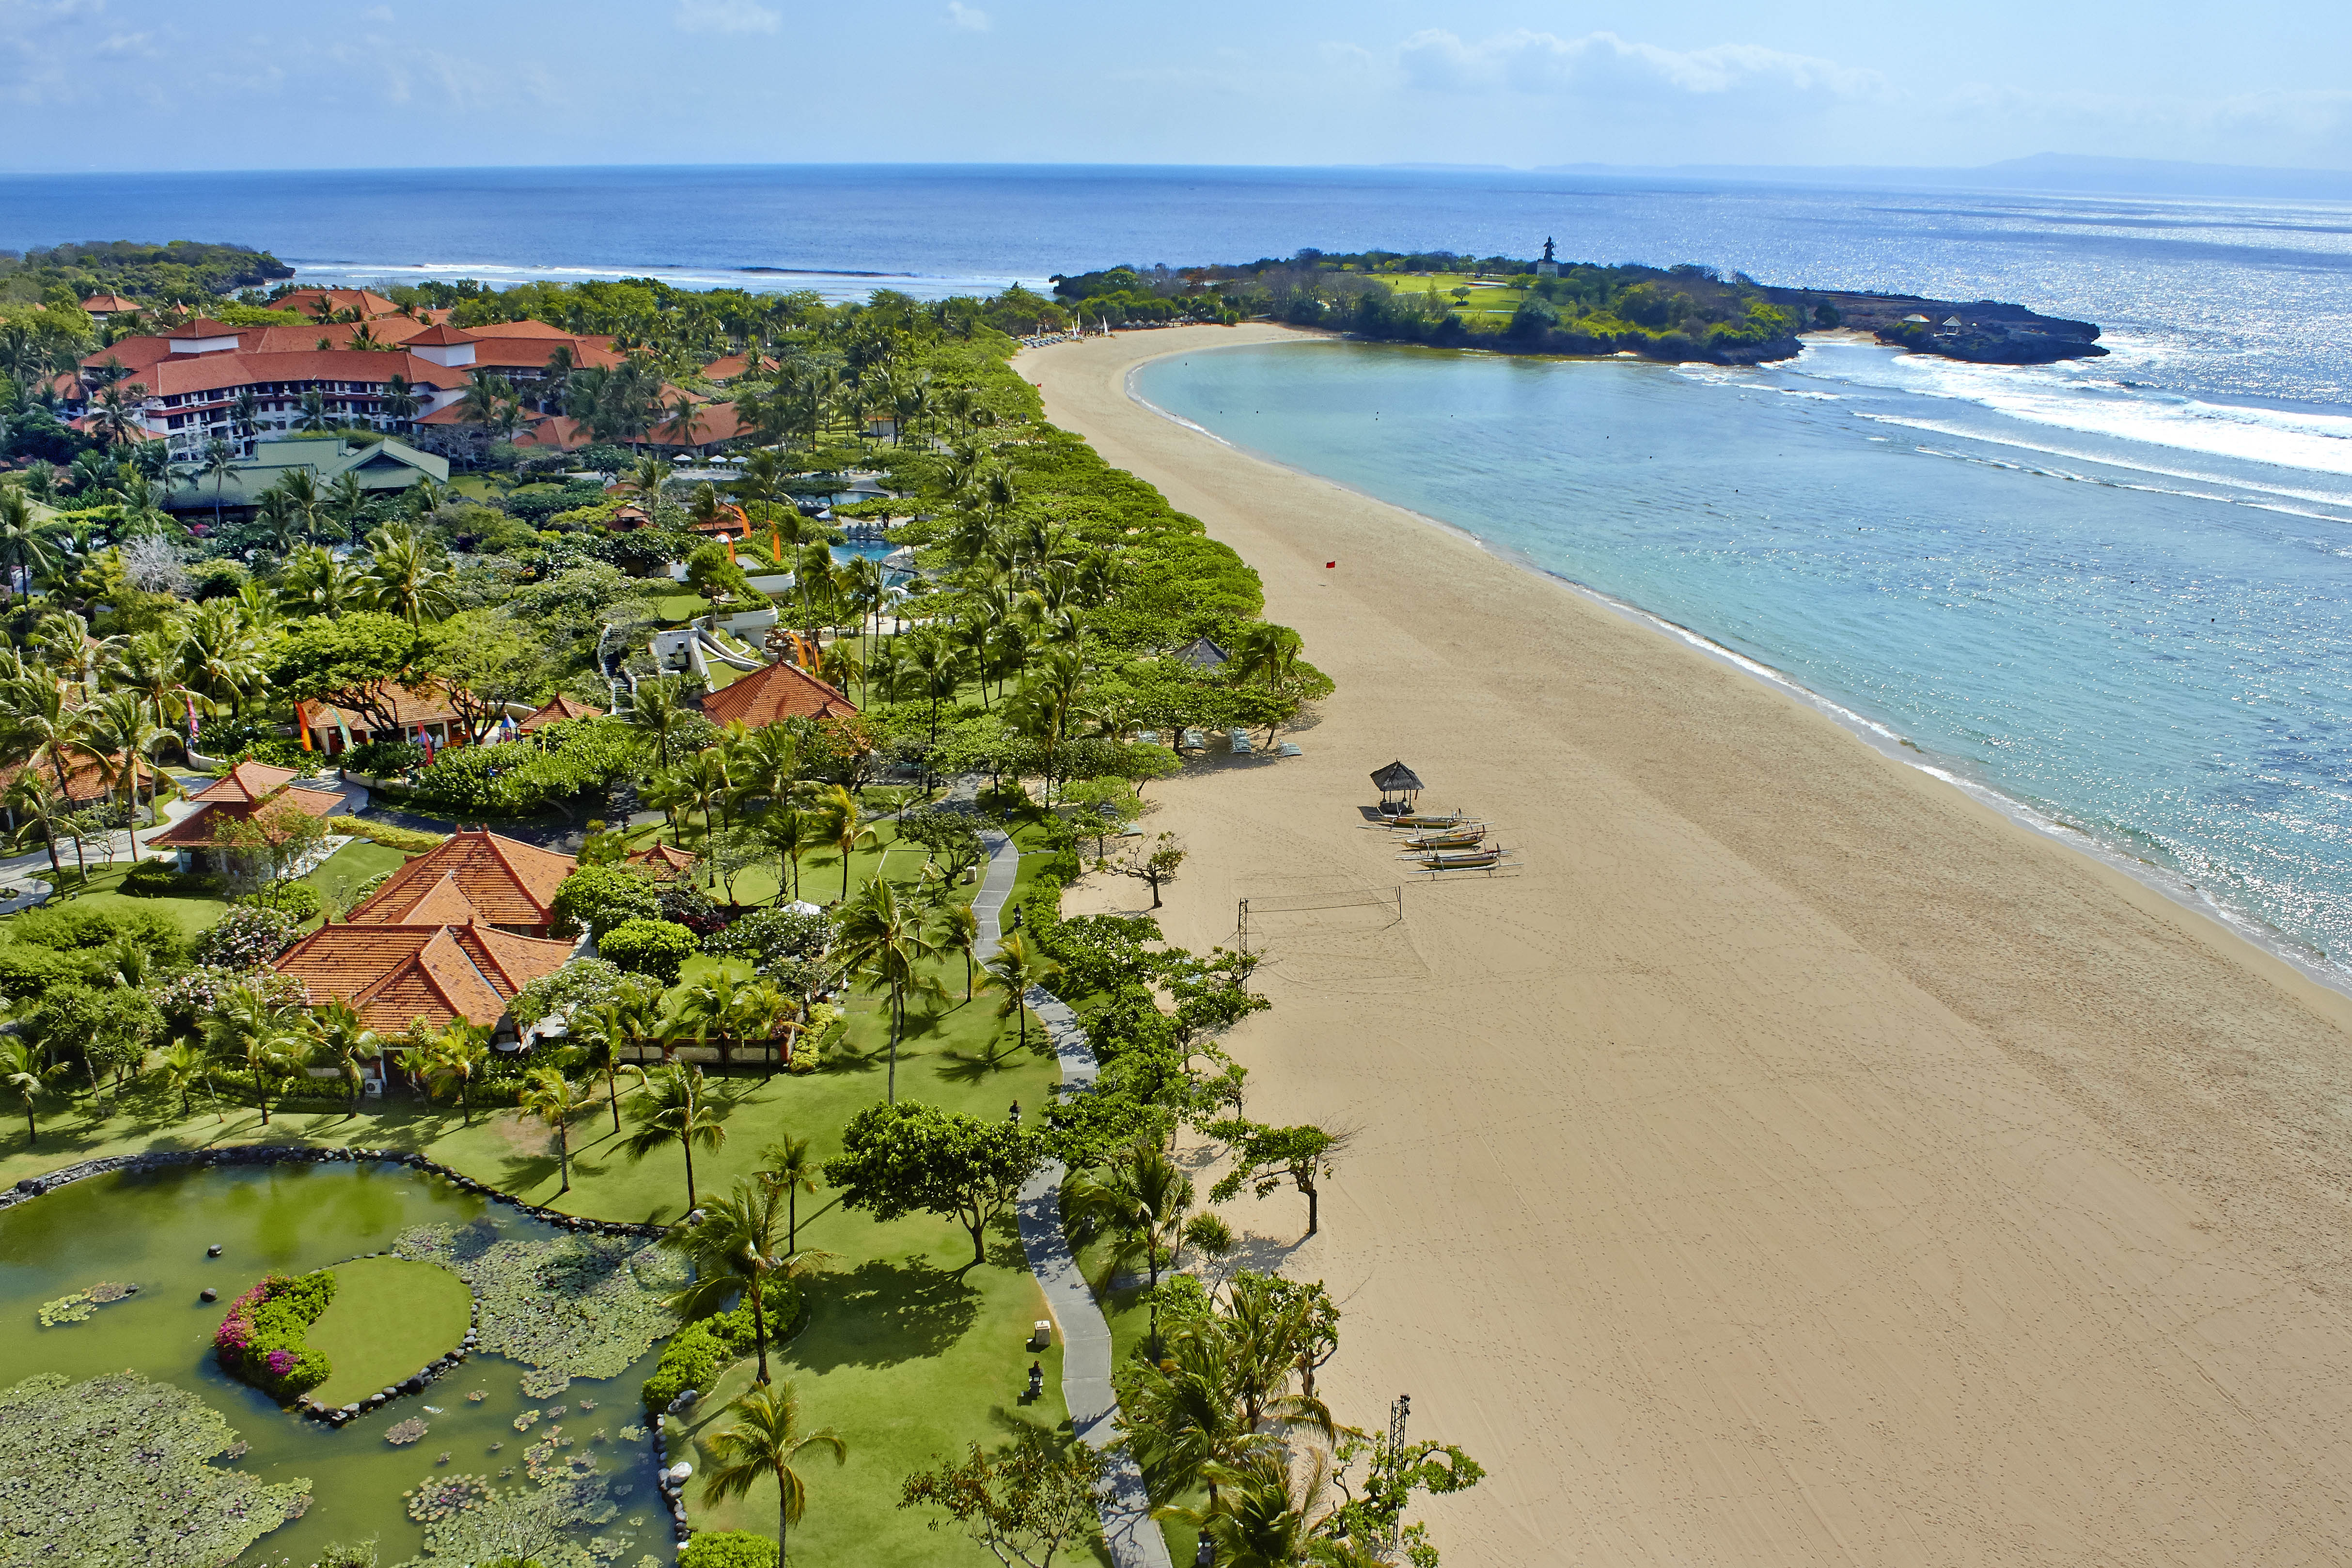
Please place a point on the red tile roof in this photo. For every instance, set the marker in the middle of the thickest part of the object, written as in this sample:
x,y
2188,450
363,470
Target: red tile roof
x,y
510,883
85,781
133,354
246,783
202,831
712,422
558,707
441,335
241,367
366,301
530,329
532,353
393,975
726,368
107,304
664,862
778,693
409,709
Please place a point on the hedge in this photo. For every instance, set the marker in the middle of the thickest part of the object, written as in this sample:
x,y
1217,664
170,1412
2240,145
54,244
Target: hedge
x,y
727,1548
700,1350
408,841
659,948
265,1338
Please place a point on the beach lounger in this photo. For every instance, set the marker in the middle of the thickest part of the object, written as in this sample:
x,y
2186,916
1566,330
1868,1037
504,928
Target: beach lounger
x,y
1242,747
1290,749
1195,741
1149,737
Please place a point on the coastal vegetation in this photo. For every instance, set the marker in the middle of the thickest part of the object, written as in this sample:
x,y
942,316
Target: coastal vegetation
x,y
793,1055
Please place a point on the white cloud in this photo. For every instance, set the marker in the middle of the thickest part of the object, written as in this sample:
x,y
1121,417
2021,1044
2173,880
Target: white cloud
x,y
726,16
971,19
1599,64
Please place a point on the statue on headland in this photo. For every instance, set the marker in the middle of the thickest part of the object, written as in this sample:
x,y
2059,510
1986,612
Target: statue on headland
x,y
1549,266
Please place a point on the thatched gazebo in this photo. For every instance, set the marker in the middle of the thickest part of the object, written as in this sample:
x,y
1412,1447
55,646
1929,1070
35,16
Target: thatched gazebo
x,y
1398,785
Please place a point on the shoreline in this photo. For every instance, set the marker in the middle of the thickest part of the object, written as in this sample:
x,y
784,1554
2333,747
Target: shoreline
x,y
1798,1162
2161,880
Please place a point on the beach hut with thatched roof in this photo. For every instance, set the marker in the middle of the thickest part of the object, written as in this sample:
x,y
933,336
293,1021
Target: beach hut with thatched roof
x,y
1398,785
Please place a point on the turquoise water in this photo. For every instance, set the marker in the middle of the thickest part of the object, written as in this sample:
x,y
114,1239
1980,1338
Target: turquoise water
x,y
151,1231
2131,613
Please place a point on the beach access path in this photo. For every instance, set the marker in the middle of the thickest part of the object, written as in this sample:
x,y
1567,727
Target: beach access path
x,y
1800,1163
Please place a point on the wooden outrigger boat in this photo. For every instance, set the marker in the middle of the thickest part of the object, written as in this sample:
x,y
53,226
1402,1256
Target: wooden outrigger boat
x,y
1459,859
1453,838
1417,821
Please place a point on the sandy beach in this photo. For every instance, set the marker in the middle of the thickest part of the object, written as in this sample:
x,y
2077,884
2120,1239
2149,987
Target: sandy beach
x,y
1796,1163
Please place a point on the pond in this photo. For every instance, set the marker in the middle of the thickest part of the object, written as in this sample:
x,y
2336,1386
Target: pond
x,y
151,1229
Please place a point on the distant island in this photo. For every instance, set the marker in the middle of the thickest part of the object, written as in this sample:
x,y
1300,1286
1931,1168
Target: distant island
x,y
1546,306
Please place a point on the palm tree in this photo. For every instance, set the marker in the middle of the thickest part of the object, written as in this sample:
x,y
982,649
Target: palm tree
x,y
114,417
313,414
792,836
553,1099
219,463
672,1108
1015,967
245,414
21,1075
601,1035
220,657
842,828
182,1065
409,577
122,735
30,796
400,403
764,1441
658,706
959,934
939,667
1269,1508
881,939
1178,1416
792,1167
22,544
712,1007
646,479
734,1250
344,1037
346,496
454,1059
1143,1195
243,1027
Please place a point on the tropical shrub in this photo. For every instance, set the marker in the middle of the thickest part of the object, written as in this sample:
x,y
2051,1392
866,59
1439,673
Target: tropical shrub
x,y
776,935
248,937
683,903
701,1350
385,759
517,778
408,841
727,1548
659,948
159,880
80,925
190,995
298,899
264,1340
595,898
28,969
582,986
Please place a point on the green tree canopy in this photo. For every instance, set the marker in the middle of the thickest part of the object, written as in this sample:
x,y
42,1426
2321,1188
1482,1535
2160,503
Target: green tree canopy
x,y
900,1159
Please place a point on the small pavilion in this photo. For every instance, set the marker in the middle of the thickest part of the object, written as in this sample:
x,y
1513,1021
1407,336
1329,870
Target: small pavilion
x,y
1399,785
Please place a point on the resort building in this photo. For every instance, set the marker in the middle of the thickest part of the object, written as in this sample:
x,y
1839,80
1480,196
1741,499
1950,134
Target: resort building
x,y
394,975
558,709
100,306
771,695
385,464
477,876
426,717
208,381
250,797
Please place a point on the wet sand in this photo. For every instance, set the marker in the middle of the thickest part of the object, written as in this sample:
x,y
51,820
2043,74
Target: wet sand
x,y
1796,1162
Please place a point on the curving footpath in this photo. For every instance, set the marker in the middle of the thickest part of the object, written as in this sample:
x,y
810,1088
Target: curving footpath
x,y
1135,1540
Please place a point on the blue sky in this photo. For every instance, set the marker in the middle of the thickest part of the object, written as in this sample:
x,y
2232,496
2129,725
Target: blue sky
x,y
138,84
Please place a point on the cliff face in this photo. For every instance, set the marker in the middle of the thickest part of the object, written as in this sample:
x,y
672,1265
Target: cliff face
x,y
1989,332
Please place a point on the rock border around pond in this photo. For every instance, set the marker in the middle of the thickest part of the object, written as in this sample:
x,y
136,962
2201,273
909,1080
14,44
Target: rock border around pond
x,y
340,1415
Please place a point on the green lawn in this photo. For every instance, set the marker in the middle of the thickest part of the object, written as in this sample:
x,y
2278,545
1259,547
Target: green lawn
x,y
193,915
347,868
911,1351
389,1318
676,609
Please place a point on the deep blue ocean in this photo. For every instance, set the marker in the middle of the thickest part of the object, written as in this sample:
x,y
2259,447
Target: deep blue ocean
x,y
2117,594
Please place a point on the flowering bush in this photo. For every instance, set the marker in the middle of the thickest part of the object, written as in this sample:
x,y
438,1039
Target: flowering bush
x,y
264,1337
188,995
771,936
246,937
657,947
572,991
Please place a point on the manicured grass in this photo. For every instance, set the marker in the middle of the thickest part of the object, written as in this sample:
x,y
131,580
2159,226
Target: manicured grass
x,y
389,1318
912,1350
340,873
676,609
193,915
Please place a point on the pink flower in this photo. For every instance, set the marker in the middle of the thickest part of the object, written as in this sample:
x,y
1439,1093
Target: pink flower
x,y
280,1363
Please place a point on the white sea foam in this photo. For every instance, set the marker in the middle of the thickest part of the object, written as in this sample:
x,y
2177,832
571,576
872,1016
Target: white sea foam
x,y
2312,440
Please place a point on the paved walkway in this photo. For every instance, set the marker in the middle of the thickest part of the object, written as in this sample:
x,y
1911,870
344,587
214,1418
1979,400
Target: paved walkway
x,y
1135,1540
